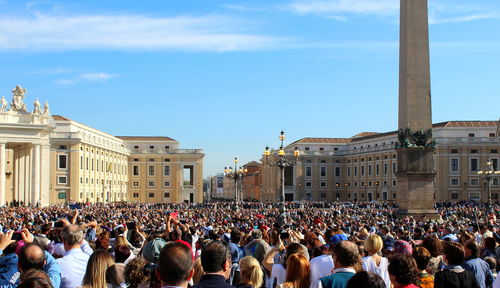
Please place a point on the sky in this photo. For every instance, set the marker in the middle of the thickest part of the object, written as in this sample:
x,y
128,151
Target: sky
x,y
227,76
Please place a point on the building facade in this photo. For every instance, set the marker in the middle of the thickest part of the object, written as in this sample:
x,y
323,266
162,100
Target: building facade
x,y
364,167
48,159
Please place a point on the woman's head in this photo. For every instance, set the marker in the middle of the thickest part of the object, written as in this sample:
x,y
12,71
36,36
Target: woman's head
x,y
454,253
433,245
373,244
102,241
403,270
250,272
365,279
422,257
298,270
97,266
134,273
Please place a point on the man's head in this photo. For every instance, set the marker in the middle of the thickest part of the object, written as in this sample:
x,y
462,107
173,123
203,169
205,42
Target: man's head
x,y
453,253
256,234
216,258
345,254
45,228
471,249
175,264
72,236
31,256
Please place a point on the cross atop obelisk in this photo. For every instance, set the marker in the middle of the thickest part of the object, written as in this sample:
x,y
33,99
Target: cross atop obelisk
x,y
415,176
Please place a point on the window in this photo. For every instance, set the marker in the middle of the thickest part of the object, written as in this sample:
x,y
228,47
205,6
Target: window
x,y
454,182
323,195
454,151
151,195
308,171
136,147
494,163
136,160
454,196
474,182
323,161
322,184
62,165
151,147
377,169
135,195
62,180
167,147
348,171
81,162
135,184
393,168
81,180
355,171
166,170
86,163
473,151
321,149
393,183
188,175
166,160
362,170
494,151
308,184
337,171
370,170
454,165
474,165
151,170
166,195
97,164
62,195
306,148
322,171
471,135
151,183
385,168
92,164
166,184
492,135
64,147
135,170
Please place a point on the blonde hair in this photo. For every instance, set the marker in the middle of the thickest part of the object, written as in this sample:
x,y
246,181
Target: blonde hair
x,y
97,266
198,271
121,240
250,271
373,244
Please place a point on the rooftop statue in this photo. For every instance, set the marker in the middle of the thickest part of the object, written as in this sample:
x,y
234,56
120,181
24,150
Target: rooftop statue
x,y
17,103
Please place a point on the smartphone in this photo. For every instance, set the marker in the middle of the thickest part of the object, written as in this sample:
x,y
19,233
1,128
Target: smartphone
x,y
58,224
17,236
75,206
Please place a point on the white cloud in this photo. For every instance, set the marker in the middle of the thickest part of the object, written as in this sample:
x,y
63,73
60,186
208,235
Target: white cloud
x,y
129,32
344,6
51,71
87,77
459,19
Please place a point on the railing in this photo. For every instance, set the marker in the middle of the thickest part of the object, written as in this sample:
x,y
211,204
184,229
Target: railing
x,y
169,151
448,140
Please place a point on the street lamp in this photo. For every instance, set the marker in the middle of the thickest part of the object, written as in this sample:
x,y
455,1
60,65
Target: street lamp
x,y
281,162
488,176
236,175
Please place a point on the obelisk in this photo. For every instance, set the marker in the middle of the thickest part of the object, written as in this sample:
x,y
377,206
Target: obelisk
x,y
415,177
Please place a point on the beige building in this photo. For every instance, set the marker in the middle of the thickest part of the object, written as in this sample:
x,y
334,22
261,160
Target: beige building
x,y
48,159
161,172
364,167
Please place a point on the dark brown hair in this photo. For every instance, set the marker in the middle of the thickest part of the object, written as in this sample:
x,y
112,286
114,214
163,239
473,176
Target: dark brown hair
x,y
404,269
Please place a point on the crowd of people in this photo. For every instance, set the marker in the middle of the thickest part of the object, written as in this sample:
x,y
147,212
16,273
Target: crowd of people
x,y
325,245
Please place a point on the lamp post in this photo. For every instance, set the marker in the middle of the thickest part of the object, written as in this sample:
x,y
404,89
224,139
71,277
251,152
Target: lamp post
x,y
488,176
236,175
282,162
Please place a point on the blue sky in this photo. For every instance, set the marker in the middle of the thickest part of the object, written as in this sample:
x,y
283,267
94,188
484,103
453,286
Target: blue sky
x,y
227,76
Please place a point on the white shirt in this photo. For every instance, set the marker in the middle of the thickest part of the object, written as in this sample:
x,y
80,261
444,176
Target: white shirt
x,y
279,273
496,283
369,265
321,266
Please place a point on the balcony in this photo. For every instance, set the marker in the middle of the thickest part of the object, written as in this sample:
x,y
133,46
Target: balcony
x,y
166,152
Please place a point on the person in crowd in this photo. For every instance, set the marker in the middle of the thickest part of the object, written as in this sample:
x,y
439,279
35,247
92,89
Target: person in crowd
x,y
99,272
374,262
122,254
74,263
454,275
476,265
258,248
489,248
278,270
422,257
34,278
135,276
403,271
322,266
236,254
175,265
216,262
251,275
492,263
297,272
435,247
41,238
366,279
345,257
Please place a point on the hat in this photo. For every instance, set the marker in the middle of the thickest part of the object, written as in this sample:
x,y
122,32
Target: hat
x,y
403,247
337,238
389,243
151,251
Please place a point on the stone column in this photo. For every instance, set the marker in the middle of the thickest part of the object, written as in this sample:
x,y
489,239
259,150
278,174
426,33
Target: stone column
x,y
21,176
45,175
35,174
3,164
